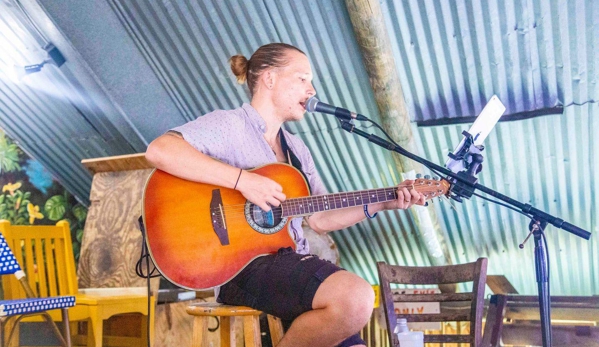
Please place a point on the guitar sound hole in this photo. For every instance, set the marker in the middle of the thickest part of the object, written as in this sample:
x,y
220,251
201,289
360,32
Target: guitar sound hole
x,y
266,219
265,222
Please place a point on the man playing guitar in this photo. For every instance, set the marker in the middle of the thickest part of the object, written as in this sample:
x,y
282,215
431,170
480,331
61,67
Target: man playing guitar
x,y
326,304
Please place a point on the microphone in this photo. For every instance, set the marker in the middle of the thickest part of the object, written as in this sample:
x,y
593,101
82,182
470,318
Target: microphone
x,y
315,105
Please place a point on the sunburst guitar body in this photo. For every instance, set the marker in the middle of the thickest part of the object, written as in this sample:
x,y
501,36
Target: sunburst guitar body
x,y
200,236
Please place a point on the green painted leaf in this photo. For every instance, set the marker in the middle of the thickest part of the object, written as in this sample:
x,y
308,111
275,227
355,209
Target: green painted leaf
x,y
56,207
9,155
80,212
76,250
79,235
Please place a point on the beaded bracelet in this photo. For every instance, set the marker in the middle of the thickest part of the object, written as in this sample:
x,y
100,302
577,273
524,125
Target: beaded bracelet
x,y
368,214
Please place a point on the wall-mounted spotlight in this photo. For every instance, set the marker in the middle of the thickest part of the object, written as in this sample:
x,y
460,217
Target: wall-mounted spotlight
x,y
54,57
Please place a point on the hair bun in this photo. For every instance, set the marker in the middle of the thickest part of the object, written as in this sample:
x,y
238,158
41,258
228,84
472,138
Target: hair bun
x,y
239,66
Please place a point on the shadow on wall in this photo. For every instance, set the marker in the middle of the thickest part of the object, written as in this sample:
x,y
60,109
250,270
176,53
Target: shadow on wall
x,y
31,196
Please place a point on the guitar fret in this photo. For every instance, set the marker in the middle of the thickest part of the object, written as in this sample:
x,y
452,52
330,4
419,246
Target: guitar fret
x,y
312,204
344,200
299,206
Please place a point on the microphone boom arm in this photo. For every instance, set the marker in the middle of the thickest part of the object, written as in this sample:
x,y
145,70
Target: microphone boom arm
x,y
463,180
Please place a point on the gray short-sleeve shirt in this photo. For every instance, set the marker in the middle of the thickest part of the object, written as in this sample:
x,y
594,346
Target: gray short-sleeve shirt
x,y
236,137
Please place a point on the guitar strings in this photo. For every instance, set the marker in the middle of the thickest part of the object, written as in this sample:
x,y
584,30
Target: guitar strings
x,y
236,211
336,197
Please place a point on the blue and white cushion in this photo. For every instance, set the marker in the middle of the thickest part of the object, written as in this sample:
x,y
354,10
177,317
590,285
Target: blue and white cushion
x,y
34,305
8,262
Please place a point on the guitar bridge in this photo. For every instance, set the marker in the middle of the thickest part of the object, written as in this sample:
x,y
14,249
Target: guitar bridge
x,y
217,217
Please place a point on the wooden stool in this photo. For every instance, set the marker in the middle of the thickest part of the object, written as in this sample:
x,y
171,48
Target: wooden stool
x,y
251,324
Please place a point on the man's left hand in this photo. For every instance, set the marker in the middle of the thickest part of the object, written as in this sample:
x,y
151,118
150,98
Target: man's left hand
x,y
405,197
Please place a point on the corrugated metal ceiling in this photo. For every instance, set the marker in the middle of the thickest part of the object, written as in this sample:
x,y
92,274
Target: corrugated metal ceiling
x,y
451,56
45,112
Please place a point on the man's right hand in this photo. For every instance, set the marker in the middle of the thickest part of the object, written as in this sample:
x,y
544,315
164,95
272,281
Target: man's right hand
x,y
260,190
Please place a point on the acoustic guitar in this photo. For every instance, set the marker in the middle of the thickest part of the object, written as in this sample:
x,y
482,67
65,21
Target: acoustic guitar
x,y
201,235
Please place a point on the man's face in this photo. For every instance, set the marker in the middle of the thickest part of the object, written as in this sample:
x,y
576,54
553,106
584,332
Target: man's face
x,y
292,87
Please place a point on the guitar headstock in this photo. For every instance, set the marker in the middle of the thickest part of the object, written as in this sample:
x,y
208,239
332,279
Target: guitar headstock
x,y
432,188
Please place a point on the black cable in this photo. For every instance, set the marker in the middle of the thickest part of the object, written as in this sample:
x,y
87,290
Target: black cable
x,y
149,293
396,144
217,325
579,104
384,132
548,267
145,255
502,204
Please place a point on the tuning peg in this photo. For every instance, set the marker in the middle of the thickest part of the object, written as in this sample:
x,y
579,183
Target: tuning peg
x,y
427,177
436,178
418,175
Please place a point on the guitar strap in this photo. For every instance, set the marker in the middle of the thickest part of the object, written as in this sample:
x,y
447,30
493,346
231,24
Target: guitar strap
x,y
292,158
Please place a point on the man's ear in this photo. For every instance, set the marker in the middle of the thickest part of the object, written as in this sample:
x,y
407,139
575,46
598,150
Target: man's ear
x,y
268,78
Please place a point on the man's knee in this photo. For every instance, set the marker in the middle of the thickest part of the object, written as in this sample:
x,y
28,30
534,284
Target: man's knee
x,y
346,295
361,300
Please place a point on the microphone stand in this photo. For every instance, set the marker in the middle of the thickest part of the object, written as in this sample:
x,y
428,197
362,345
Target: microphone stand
x,y
464,185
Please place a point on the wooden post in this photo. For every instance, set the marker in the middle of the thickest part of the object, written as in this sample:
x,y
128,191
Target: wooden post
x,y
371,34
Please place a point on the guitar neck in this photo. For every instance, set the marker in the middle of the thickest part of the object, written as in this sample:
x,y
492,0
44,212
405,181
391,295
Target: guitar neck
x,y
304,206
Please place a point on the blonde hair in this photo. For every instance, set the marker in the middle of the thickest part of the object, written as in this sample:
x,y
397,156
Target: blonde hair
x,y
265,57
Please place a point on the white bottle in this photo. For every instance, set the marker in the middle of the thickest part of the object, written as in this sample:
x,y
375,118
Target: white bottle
x,y
406,337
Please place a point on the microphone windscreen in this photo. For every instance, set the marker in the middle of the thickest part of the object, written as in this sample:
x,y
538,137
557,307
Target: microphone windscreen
x,y
311,104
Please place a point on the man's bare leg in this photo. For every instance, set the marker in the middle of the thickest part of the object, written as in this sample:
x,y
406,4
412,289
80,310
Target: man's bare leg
x,y
342,306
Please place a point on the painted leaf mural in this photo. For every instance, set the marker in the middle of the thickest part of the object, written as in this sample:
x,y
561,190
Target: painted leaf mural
x,y
31,196
56,207
9,155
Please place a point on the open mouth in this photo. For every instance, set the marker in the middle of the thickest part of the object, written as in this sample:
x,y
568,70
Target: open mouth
x,y
303,104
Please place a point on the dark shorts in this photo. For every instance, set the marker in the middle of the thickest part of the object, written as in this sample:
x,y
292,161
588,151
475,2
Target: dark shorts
x,y
282,284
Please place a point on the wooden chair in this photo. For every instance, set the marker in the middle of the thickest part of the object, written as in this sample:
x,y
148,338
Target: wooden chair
x,y
227,315
29,305
47,252
471,272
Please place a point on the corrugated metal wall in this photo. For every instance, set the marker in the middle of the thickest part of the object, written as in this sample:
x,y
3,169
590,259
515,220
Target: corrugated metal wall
x,y
452,56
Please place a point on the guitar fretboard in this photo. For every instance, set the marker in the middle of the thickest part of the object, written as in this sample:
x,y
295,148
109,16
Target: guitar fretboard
x,y
312,204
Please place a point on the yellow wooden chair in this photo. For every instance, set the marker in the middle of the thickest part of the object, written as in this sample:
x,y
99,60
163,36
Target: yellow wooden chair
x,y
46,253
29,305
